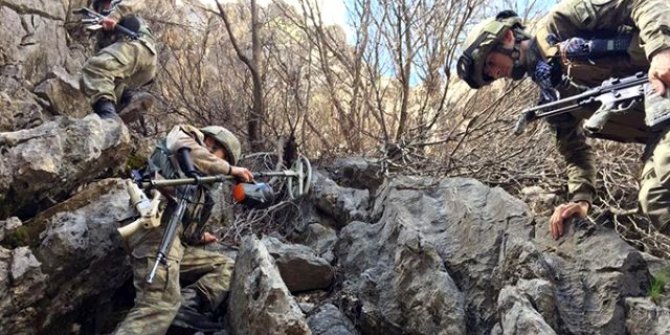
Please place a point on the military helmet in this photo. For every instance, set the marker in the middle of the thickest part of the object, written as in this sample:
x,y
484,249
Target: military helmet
x,y
481,40
228,141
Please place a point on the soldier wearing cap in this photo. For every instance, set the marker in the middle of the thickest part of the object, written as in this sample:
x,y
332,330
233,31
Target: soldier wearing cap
x,y
579,44
111,78
214,150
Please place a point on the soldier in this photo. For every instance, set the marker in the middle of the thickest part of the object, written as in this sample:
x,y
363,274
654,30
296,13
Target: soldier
x,y
581,43
120,66
214,150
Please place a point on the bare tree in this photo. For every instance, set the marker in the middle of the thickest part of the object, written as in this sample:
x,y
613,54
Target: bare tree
x,y
256,116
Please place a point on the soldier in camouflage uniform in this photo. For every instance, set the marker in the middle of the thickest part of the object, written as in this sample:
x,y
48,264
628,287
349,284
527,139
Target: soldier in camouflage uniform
x,y
214,150
500,48
120,65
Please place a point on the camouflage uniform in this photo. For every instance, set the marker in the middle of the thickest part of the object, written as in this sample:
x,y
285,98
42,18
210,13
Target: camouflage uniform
x,y
649,22
120,63
157,304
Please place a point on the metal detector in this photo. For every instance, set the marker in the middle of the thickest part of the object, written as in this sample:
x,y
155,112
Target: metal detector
x,y
298,184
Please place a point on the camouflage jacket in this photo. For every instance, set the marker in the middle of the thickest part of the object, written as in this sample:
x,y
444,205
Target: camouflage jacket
x,y
649,22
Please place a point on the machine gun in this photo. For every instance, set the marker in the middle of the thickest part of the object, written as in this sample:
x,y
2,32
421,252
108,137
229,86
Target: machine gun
x,y
616,95
93,20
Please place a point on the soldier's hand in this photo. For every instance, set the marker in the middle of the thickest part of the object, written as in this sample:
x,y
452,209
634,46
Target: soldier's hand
x,y
241,173
564,212
659,71
208,238
108,24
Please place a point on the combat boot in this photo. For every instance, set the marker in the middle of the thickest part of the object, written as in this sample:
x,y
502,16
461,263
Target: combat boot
x,y
105,109
134,104
191,316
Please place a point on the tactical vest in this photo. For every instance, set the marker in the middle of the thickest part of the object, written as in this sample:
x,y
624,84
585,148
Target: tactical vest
x,y
198,212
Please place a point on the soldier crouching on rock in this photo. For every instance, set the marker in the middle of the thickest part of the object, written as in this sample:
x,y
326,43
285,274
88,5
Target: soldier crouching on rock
x,y
121,64
213,150
581,43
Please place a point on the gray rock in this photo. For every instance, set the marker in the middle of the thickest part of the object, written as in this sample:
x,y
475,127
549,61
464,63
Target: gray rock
x,y
20,109
259,301
342,204
84,227
593,271
475,240
23,262
357,172
329,320
643,317
425,224
5,282
33,36
300,268
321,239
541,295
306,307
62,93
48,162
517,315
27,280
78,251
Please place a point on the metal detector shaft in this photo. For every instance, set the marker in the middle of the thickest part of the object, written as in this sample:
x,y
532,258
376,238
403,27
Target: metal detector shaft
x,y
212,179
186,181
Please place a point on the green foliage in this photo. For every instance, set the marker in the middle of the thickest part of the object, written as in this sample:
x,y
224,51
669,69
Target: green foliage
x,y
135,162
658,282
18,237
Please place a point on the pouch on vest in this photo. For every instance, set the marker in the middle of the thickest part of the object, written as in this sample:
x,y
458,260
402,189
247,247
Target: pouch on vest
x,y
656,108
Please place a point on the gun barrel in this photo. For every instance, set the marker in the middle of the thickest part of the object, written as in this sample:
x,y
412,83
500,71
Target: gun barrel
x,y
171,230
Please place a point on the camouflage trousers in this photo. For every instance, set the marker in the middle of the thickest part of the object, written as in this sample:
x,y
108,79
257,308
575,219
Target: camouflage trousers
x,y
157,304
654,193
122,65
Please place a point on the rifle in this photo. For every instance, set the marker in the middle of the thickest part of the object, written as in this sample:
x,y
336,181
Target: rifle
x,y
616,95
186,195
92,20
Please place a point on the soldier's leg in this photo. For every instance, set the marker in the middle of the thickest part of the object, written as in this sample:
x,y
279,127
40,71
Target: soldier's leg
x,y
211,272
655,185
133,103
156,304
103,72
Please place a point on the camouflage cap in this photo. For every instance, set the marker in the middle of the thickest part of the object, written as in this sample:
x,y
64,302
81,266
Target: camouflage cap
x,y
228,141
481,40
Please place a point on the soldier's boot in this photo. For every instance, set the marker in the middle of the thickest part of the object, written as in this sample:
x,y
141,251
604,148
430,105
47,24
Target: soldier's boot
x,y
190,315
105,109
134,104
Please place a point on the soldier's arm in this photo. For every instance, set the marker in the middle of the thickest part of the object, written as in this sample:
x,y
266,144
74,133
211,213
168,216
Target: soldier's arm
x,y
652,17
126,7
573,18
203,160
571,143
